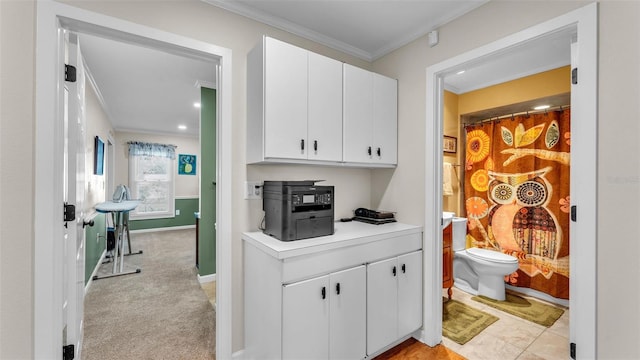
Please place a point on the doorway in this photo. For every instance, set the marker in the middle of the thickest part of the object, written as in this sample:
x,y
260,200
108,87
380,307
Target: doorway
x,y
53,17
583,22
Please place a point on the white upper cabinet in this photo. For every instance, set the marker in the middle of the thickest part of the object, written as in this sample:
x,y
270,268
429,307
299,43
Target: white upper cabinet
x,y
370,119
357,115
294,104
325,108
285,97
385,120
303,107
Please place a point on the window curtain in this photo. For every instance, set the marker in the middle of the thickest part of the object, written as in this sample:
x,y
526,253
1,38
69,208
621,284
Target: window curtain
x,y
517,195
137,148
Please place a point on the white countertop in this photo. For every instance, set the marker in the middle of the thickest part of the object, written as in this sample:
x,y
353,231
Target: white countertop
x,y
345,234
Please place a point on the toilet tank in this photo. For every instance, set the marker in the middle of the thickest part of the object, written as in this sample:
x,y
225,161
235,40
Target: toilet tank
x,y
459,233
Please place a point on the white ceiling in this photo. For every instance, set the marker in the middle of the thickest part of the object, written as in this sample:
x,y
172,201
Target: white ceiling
x,y
149,90
144,89
368,29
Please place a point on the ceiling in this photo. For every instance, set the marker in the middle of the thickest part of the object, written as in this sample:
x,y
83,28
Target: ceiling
x,y
148,90
368,29
144,89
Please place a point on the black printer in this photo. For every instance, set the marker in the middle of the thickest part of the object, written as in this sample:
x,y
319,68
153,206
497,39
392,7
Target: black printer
x,y
297,210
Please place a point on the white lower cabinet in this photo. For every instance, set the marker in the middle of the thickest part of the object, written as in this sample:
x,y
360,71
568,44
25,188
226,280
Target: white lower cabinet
x,y
394,299
327,297
325,317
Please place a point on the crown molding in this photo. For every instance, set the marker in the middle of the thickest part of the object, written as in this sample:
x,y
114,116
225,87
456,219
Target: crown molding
x,y
290,27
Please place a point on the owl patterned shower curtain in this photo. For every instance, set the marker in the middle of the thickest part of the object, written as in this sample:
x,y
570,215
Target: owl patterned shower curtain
x,y
517,195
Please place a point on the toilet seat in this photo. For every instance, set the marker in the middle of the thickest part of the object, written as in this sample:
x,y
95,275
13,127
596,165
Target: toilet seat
x,y
490,255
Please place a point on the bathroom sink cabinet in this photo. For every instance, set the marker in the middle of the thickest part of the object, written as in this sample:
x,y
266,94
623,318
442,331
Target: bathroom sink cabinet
x,y
447,259
311,298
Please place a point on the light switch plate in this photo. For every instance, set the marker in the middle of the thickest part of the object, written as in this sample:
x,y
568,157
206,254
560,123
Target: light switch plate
x,y
253,190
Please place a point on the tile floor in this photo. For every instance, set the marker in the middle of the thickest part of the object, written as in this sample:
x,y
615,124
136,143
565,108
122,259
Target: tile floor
x,y
511,337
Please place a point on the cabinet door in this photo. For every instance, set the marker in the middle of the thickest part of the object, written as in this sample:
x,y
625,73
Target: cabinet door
x,y
325,109
347,324
382,304
409,293
305,319
285,96
358,113
385,120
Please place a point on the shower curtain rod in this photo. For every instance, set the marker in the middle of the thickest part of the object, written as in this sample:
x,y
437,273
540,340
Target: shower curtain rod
x,y
511,115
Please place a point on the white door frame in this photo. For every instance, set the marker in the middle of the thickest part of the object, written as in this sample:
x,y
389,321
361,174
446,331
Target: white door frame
x,y
51,17
583,161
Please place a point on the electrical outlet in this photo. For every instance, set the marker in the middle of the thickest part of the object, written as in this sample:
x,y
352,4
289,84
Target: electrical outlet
x,y
253,190
177,212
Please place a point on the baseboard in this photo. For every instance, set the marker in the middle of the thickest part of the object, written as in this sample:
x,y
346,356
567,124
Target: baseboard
x,y
95,271
206,278
182,227
538,294
238,354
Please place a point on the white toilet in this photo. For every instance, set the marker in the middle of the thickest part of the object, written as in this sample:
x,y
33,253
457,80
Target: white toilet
x,y
479,271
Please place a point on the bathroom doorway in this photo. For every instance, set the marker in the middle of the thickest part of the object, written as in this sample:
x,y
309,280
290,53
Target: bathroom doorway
x,y
582,25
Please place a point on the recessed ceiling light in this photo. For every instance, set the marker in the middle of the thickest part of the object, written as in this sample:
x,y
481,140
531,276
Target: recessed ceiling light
x,y
541,107
182,127
460,72
196,104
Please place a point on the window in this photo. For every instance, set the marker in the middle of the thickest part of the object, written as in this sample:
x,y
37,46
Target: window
x,y
151,179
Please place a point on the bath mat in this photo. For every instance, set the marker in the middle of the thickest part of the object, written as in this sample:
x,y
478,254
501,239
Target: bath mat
x,y
527,309
461,322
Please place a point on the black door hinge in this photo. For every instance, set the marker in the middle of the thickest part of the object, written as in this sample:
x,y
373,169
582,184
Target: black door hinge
x,y
574,76
574,211
69,212
572,350
68,352
69,73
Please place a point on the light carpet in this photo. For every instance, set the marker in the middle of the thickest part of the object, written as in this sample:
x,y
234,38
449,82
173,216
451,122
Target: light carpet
x,y
462,323
160,313
527,309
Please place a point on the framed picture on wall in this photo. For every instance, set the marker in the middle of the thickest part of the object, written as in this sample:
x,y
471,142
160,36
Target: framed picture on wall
x,y
449,144
98,163
186,164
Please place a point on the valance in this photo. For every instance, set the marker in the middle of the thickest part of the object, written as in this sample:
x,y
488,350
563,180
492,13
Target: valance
x,y
137,148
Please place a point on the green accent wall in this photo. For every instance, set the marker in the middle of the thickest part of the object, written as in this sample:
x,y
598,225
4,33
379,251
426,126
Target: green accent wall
x,y
95,243
207,232
186,206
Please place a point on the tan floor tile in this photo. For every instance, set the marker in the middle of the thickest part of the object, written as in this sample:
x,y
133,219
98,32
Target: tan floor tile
x,y
529,356
514,331
550,346
486,346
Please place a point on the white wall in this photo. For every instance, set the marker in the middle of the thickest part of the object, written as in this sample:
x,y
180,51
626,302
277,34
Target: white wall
x,y
97,124
186,185
401,189
17,118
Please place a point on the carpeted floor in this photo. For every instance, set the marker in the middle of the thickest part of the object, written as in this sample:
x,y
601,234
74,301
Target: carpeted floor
x,y
160,313
462,323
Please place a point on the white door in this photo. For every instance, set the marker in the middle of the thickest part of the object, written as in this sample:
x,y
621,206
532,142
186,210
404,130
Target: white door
x,y
325,108
285,107
357,114
347,314
385,120
382,304
305,319
409,293
74,193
